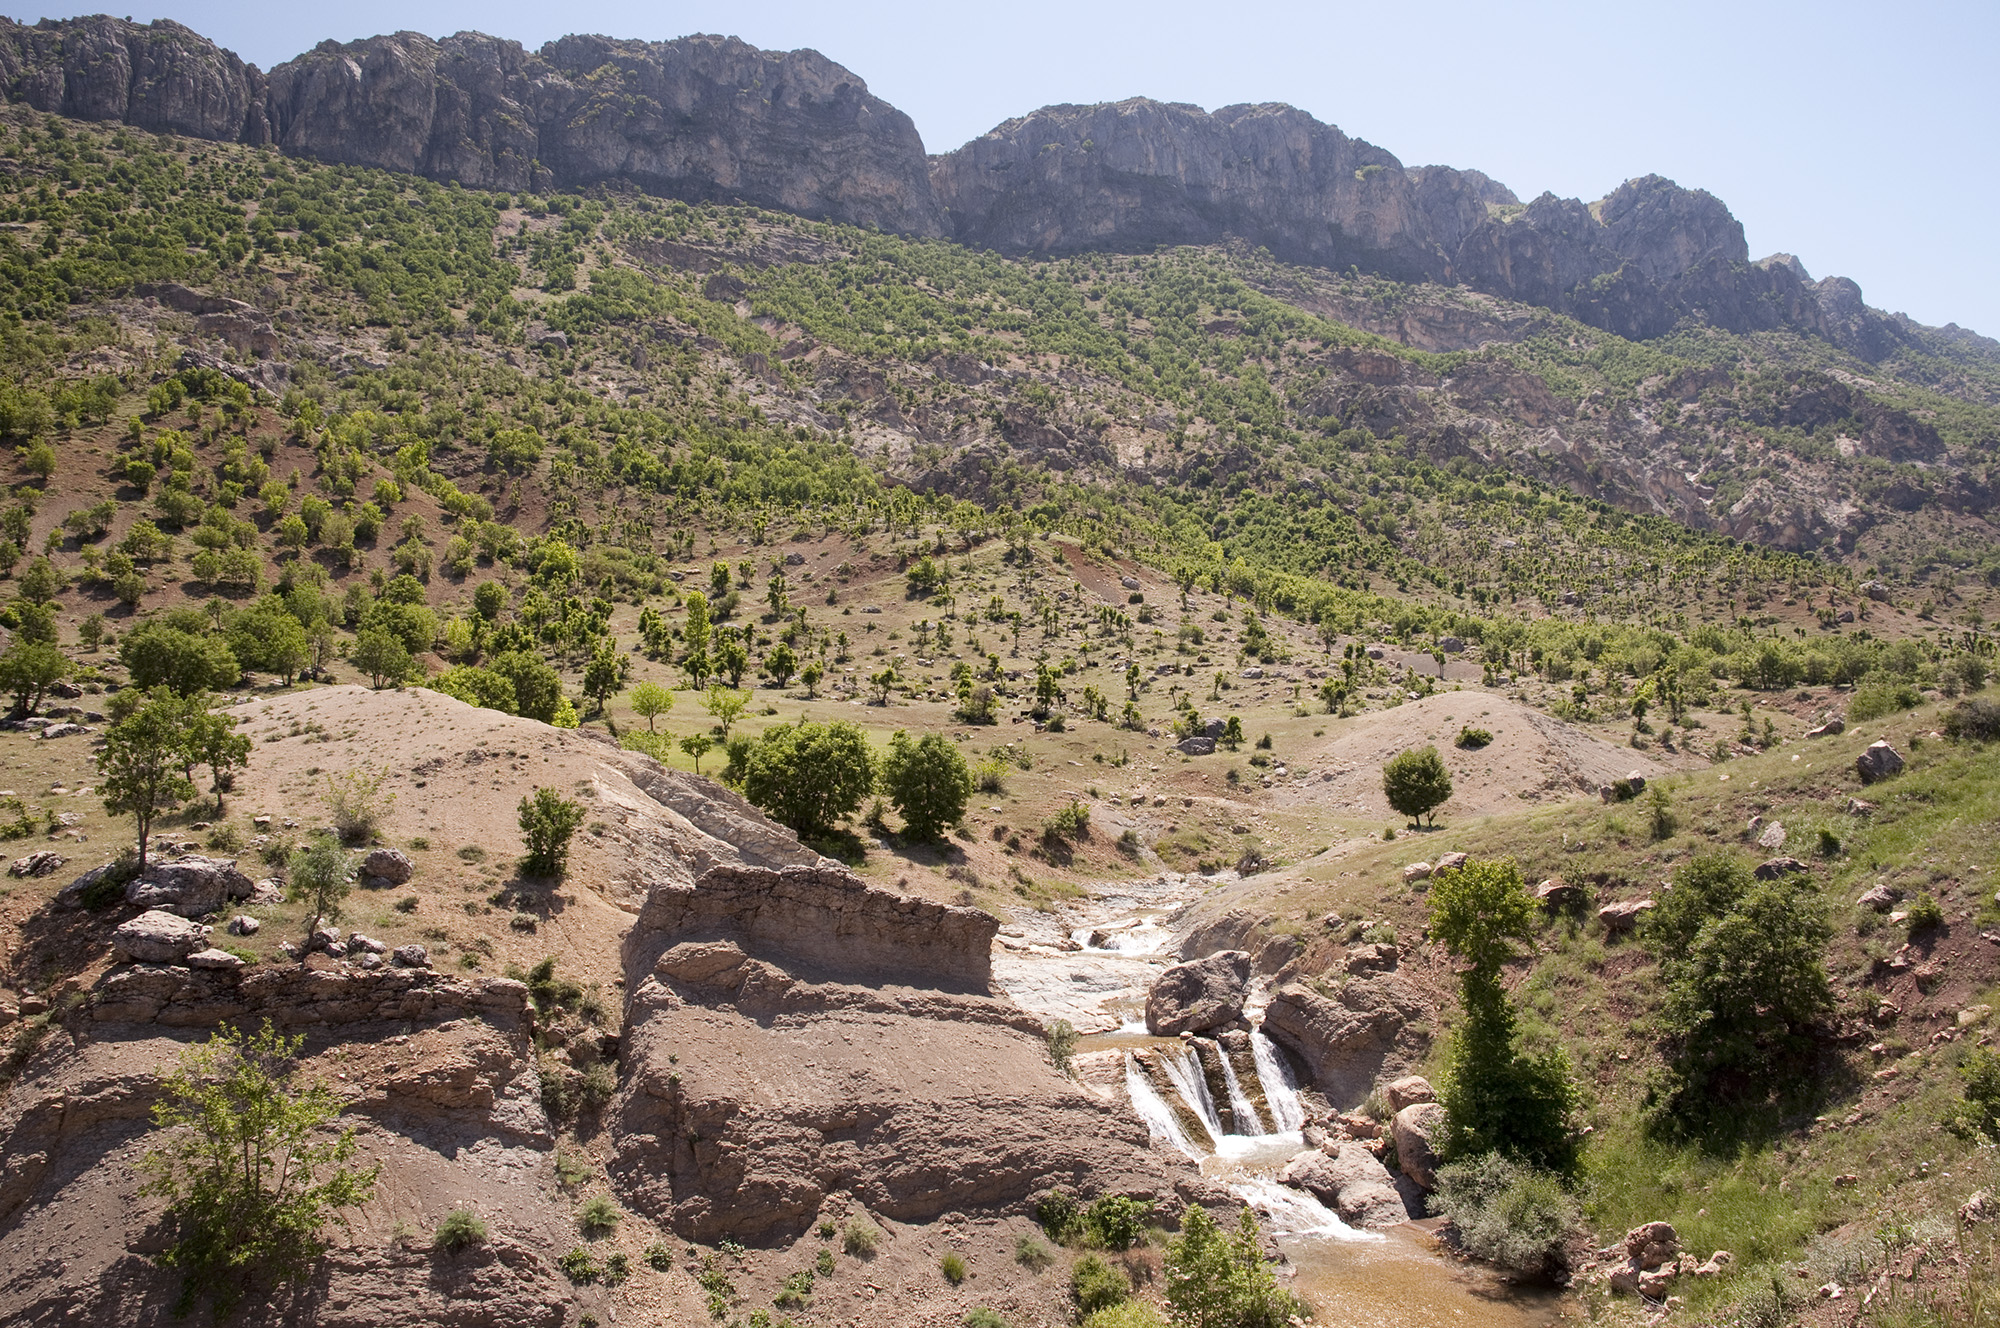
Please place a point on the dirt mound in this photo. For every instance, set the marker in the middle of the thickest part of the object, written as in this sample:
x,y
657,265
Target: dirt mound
x,y
1532,758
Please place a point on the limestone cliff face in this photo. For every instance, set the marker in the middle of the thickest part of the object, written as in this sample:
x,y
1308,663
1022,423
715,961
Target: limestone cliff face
x,y
699,118
160,76
711,118
1140,173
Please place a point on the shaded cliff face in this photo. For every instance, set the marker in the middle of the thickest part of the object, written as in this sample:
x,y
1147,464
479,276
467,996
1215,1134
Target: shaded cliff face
x,y
160,76
707,118
1137,174
701,118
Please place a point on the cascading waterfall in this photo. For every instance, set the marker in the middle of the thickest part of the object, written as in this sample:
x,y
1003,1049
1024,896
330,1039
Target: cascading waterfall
x,y
1247,1119
1184,1068
1281,1091
1153,1110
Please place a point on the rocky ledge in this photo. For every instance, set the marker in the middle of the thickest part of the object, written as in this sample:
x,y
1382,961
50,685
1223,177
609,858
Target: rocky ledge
x,y
795,1035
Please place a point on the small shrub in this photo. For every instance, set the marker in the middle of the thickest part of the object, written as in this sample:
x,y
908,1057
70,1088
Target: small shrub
x,y
1829,843
823,1265
860,1237
1096,1285
1874,699
548,822
659,1257
617,1267
599,1085
1660,819
407,904
953,1268
1062,1040
1032,1254
983,1317
1925,914
1472,739
1069,823
461,1230
355,802
1131,1314
1973,720
580,1266
1117,1222
826,1230
1060,1214
599,1216
1507,1214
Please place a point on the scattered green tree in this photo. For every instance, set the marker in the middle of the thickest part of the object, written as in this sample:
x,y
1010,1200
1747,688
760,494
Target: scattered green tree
x,y
1416,782
650,701
548,821
928,783
810,776
250,1171
140,772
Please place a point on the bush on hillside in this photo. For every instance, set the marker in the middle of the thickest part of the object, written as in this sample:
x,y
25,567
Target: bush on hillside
x,y
1518,1217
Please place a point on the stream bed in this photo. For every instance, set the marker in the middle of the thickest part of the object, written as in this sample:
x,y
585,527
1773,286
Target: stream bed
x,y
1231,1105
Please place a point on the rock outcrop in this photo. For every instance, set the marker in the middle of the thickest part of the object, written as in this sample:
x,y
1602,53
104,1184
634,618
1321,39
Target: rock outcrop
x,y
1199,995
824,920
712,118
699,118
1349,1040
437,1074
763,1076
1352,1181
1415,1129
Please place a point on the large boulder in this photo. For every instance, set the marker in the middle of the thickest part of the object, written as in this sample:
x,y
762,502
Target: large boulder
x,y
1878,762
389,866
1347,1040
1231,931
1625,915
1352,1181
1199,995
158,937
1408,1091
1415,1130
191,885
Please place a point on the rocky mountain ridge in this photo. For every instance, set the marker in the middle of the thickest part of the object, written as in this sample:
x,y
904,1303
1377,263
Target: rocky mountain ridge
x,y
710,118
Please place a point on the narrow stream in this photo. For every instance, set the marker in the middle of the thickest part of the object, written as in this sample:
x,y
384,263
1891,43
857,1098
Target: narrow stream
x,y
1231,1104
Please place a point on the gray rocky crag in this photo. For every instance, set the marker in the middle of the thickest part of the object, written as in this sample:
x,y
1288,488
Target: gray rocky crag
x,y
712,118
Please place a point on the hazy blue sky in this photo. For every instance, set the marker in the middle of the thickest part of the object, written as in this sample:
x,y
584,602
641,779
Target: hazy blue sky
x,y
1860,137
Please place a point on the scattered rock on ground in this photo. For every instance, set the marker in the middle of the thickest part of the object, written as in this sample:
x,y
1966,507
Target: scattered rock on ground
x,y
41,863
1880,761
1772,868
390,865
411,956
1352,1181
1622,917
1408,1091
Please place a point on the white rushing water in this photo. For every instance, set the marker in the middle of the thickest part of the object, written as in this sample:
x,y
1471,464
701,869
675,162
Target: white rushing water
x,y
1153,1110
1280,1089
1184,1068
1239,1101
1290,1212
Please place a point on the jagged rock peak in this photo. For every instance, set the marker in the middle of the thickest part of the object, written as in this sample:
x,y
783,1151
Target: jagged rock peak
x,y
700,118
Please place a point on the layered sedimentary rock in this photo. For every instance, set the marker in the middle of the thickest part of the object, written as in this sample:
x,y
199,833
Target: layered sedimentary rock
x,y
440,1083
795,1034
1350,1039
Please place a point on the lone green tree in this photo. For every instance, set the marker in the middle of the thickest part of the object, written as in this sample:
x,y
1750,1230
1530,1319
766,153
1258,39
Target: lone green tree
x,y
140,767
1743,963
1416,782
1498,1094
250,1172
696,745
725,706
603,674
548,821
319,875
650,701
382,657
27,670
810,776
928,783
